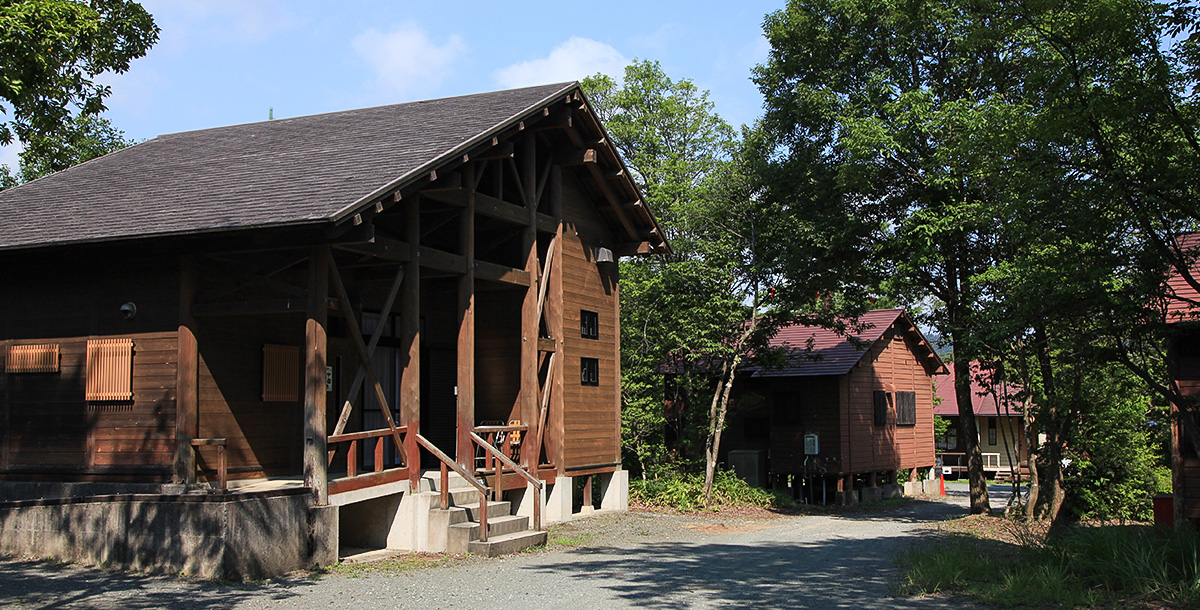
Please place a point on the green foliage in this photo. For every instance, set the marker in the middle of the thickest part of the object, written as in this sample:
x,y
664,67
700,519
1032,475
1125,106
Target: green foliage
x,y
1083,567
686,492
53,49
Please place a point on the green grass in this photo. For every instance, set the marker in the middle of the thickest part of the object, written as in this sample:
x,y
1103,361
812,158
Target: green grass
x,y
577,540
406,562
1081,567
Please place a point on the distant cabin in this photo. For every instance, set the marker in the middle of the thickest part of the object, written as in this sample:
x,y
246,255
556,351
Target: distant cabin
x,y
1183,360
290,341
999,417
845,416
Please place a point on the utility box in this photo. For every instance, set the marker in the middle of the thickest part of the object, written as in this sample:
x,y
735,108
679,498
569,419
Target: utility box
x,y
811,446
750,466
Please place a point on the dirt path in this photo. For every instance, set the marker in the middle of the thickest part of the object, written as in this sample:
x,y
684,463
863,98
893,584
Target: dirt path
x,y
640,560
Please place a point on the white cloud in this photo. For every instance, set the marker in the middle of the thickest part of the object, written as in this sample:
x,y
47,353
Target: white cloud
x,y
406,62
231,21
574,59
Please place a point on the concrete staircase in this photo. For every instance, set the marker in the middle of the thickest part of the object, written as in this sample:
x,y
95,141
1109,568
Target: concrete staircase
x,y
507,533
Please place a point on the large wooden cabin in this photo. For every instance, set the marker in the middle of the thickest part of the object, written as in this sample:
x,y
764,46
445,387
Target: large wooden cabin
x,y
845,415
319,308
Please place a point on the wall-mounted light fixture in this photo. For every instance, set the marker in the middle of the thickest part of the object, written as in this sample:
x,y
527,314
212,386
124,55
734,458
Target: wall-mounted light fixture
x,y
604,255
129,311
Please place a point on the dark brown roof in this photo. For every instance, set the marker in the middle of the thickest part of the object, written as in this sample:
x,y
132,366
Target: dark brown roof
x,y
834,354
987,398
296,171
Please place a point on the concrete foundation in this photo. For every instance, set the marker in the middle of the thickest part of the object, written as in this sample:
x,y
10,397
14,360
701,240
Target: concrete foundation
x,y
558,500
614,491
227,536
845,498
871,495
891,491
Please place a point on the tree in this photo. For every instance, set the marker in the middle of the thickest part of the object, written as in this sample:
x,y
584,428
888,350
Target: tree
x,y
697,311
873,105
53,50
84,138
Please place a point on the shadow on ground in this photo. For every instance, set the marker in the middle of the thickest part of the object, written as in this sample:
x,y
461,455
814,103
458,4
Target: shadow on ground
x,y
47,584
853,571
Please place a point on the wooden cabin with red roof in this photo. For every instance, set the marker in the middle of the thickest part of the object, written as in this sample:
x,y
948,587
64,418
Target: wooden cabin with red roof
x,y
233,352
1183,357
846,415
999,418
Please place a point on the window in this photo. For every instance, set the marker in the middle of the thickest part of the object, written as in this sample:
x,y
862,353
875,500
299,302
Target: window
x,y
109,370
906,408
882,404
786,408
32,359
589,371
281,373
991,430
589,324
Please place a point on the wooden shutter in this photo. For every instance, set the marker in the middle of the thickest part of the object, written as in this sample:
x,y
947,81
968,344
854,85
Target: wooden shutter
x,y
281,373
906,408
32,359
881,407
109,369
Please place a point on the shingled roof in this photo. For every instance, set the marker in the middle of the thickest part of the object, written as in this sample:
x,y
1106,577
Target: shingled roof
x,y
288,172
989,398
834,354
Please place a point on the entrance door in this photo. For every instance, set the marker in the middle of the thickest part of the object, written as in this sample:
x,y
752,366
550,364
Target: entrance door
x,y
439,405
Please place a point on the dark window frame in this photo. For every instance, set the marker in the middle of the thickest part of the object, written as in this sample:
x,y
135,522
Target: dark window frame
x,y
589,324
991,426
883,404
906,408
589,371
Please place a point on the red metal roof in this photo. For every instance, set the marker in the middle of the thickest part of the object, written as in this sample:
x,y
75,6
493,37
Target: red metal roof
x,y
834,354
983,401
1180,306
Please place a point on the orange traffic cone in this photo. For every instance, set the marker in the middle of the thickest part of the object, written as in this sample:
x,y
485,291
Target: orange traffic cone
x,y
942,482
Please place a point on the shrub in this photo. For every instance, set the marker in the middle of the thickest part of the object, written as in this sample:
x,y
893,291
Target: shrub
x,y
686,492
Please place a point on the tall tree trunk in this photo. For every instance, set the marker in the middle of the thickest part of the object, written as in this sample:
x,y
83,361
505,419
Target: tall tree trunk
x,y
970,433
720,407
1050,493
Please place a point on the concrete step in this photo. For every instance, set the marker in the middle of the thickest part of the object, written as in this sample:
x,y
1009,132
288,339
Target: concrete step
x,y
462,534
431,480
507,543
494,509
465,496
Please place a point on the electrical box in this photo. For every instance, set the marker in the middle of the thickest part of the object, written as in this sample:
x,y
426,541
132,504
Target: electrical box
x,y
811,445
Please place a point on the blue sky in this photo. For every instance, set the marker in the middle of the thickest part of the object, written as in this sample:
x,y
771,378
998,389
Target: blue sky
x,y
224,62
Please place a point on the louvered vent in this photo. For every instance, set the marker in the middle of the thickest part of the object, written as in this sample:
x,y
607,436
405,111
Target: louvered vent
x,y
281,373
32,359
109,369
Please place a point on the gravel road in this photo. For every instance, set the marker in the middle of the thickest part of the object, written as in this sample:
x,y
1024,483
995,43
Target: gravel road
x,y
635,560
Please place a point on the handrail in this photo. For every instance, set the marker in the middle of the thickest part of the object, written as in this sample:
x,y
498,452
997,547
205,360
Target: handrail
x,y
512,428
505,461
222,471
356,436
446,461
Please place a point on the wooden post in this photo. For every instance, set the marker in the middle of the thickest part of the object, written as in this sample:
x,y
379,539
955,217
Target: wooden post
x,y
410,337
528,400
587,490
315,468
616,318
187,394
554,320
893,476
872,479
466,331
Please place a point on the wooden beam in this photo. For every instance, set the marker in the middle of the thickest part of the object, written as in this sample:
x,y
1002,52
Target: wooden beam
x,y
485,205
528,397
410,337
559,119
499,273
360,376
441,260
491,152
586,156
450,181
249,308
465,413
553,435
187,378
613,202
386,248
315,466
632,248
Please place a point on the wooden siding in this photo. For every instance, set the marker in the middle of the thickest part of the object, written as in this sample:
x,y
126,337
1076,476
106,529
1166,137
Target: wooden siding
x,y
889,366
591,414
262,437
51,427
817,398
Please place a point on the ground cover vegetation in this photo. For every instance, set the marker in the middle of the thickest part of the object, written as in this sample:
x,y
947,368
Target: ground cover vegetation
x,y
1011,564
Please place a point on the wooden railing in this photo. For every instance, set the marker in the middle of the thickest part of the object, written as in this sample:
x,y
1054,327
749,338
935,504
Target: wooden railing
x,y
447,465
222,471
381,474
493,455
